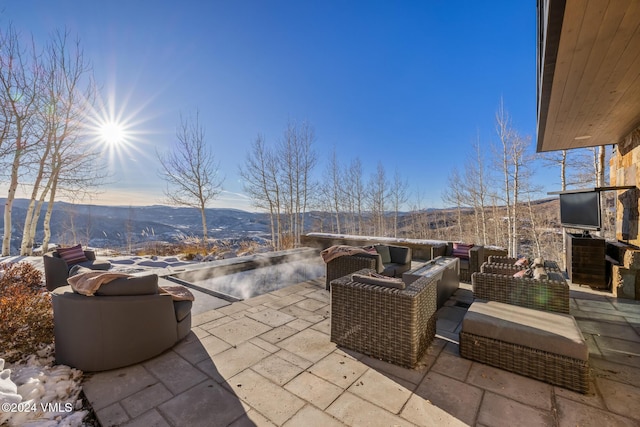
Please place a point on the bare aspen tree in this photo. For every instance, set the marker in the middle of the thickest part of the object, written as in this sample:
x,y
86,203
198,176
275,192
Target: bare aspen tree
x,y
454,197
63,106
332,187
297,159
398,195
505,136
378,195
356,187
476,190
190,170
261,184
19,80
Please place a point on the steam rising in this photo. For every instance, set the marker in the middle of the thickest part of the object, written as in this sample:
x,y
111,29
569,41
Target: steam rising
x,y
268,274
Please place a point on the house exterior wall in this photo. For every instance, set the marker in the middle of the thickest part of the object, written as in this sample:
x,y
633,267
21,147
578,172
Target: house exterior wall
x,y
625,170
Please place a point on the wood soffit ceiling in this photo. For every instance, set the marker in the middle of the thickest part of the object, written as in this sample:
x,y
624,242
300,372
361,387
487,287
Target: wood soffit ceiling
x,y
589,88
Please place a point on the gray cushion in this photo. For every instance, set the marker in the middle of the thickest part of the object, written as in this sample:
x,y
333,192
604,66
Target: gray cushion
x,y
389,283
383,250
539,273
390,270
139,285
546,331
95,265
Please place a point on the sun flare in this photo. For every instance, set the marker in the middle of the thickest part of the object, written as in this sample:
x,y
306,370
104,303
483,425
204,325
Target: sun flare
x,y
113,133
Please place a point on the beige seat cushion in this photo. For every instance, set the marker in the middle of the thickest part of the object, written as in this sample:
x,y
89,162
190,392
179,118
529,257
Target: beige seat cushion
x,y
550,332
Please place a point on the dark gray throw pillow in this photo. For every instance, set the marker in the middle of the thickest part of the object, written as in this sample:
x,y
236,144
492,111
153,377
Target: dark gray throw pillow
x,y
138,285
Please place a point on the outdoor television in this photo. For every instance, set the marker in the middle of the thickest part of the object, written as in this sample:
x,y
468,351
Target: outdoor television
x,y
580,210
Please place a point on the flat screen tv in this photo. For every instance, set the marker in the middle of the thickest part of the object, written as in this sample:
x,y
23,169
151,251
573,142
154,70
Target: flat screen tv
x,y
580,210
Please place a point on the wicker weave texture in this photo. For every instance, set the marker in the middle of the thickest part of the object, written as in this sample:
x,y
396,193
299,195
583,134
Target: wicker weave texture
x,y
344,265
548,367
390,324
543,294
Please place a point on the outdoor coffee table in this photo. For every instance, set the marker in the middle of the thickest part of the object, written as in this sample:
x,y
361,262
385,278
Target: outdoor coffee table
x,y
444,269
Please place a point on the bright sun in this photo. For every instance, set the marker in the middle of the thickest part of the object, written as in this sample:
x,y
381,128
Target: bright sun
x,y
113,133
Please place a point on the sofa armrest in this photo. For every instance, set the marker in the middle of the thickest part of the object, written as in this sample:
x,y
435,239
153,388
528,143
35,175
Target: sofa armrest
x,y
476,258
56,271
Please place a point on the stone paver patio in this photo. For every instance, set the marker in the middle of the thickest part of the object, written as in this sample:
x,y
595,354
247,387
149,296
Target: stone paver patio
x,y
268,361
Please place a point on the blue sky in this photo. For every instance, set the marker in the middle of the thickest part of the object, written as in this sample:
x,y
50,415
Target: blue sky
x,y
410,83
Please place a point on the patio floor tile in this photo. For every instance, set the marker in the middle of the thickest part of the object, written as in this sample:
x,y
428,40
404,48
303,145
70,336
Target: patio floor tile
x,y
239,330
422,412
234,360
113,415
312,417
310,344
175,373
199,350
457,398
151,418
278,334
277,369
314,390
620,398
197,406
452,366
355,411
106,388
381,391
522,389
339,370
147,399
274,402
271,317
571,413
498,411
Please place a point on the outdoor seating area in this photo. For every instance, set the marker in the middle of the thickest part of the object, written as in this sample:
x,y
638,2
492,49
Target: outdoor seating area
x,y
269,360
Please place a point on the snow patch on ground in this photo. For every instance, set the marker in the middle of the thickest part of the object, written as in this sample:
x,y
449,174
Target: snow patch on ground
x,y
36,393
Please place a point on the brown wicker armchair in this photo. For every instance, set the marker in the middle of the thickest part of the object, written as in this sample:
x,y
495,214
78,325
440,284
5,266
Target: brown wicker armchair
x,y
399,262
394,325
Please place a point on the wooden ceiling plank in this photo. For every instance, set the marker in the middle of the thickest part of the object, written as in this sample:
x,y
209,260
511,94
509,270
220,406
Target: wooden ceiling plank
x,y
593,18
573,17
600,62
619,70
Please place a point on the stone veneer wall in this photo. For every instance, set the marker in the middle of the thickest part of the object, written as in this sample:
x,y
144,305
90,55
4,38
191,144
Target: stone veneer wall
x,y
625,170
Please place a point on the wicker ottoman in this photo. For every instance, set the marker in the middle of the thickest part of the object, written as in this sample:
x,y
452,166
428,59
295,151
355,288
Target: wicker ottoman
x,y
390,324
542,345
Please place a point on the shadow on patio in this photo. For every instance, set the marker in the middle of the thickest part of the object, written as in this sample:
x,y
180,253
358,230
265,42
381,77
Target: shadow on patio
x,y
268,361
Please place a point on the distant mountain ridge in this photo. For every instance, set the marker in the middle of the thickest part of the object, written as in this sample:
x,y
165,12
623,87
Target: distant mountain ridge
x,y
115,226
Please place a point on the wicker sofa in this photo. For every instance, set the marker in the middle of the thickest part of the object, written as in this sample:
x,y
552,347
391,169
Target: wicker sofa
x,y
126,322
394,325
398,261
496,282
471,263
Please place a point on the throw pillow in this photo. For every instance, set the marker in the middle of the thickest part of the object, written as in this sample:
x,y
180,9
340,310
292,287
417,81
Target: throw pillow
x,y
522,262
538,262
72,255
539,273
383,250
461,250
520,274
